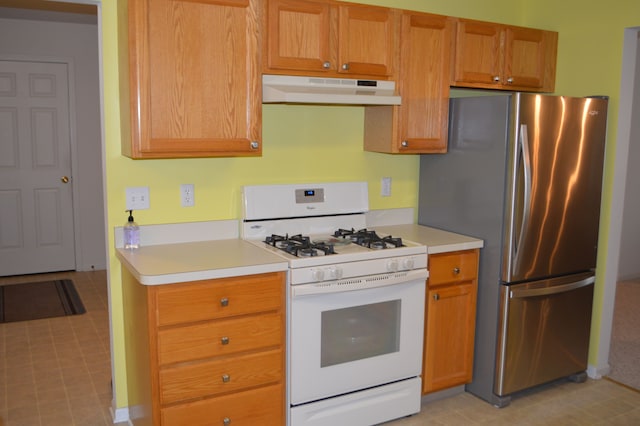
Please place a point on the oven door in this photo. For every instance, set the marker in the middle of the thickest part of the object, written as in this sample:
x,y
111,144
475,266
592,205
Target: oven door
x,y
352,340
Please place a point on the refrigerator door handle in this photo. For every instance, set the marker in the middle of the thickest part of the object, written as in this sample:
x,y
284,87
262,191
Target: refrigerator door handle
x,y
544,291
525,164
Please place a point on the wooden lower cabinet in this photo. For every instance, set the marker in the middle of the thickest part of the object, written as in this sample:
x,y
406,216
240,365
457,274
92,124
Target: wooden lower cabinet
x,y
450,312
208,352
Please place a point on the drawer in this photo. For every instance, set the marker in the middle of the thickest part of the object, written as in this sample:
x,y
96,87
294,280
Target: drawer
x,y
263,406
219,298
220,337
457,266
222,376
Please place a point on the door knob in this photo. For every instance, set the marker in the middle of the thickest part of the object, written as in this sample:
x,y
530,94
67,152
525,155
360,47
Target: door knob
x,y
65,179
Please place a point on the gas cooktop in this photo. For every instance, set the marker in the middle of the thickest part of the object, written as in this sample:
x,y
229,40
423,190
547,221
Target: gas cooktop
x,y
304,246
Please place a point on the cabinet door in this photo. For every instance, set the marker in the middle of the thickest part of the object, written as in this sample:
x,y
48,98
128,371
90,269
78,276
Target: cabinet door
x,y
449,339
530,58
478,56
194,78
419,125
366,40
425,46
299,36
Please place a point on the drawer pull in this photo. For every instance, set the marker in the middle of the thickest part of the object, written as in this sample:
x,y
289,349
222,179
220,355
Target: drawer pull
x,y
456,270
224,301
224,340
226,378
436,297
226,421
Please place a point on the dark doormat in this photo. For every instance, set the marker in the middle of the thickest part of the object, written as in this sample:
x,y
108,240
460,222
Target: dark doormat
x,y
29,301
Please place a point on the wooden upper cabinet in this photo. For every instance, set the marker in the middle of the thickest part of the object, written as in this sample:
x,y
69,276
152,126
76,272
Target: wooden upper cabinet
x,y
322,37
530,58
195,86
495,56
366,40
299,36
419,125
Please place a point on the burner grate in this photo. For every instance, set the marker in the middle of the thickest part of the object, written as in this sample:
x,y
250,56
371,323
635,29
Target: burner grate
x,y
369,238
299,245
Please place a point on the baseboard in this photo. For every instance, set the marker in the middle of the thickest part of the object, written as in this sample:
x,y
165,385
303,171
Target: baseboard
x,y
120,415
595,372
447,393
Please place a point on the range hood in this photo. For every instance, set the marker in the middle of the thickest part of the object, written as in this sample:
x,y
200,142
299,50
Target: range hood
x,y
319,90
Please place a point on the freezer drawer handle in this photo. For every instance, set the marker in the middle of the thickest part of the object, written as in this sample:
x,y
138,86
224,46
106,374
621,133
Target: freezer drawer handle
x,y
551,290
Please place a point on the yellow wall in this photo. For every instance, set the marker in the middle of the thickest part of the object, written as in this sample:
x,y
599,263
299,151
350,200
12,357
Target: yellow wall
x,y
311,143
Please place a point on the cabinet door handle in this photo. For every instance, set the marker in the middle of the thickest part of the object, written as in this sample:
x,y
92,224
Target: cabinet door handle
x,y
496,79
224,340
224,302
456,270
226,421
226,378
255,144
326,65
436,297
404,144
345,67
510,80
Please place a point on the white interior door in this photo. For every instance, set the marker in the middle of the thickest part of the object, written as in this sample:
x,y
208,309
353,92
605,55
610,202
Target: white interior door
x,y
36,211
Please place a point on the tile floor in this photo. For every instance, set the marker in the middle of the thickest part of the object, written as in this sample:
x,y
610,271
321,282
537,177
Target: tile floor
x,y
593,403
56,372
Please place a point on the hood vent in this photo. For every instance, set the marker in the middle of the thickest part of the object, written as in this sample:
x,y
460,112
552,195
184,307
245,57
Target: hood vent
x,y
318,90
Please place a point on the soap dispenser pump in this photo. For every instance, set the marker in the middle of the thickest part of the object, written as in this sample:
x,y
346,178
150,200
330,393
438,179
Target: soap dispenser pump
x,y
131,233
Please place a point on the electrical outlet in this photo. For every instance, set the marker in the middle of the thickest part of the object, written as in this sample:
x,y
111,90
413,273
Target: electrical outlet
x,y
137,198
385,189
187,195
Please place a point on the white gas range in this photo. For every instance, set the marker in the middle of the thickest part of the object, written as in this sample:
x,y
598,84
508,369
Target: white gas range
x,y
355,303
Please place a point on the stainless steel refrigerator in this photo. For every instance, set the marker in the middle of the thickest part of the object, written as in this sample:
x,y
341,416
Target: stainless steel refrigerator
x,y
524,173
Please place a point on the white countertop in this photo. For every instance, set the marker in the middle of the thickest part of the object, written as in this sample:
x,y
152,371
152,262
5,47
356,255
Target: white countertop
x,y
201,260
436,240
190,251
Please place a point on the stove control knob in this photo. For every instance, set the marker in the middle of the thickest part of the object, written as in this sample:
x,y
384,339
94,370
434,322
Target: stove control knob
x,y
334,273
317,274
407,263
392,265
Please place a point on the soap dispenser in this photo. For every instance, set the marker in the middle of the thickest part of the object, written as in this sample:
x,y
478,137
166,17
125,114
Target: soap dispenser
x,y
131,233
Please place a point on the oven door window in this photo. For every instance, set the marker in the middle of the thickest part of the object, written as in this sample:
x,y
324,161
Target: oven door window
x,y
359,332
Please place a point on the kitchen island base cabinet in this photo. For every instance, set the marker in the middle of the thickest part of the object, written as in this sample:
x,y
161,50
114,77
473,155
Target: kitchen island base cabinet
x,y
450,320
206,352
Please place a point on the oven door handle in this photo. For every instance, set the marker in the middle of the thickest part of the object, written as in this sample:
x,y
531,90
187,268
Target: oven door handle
x,y
359,283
